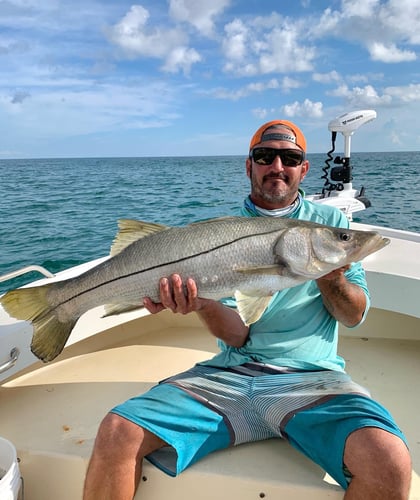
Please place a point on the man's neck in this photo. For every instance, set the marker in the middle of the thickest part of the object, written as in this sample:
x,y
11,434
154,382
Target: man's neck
x,y
279,211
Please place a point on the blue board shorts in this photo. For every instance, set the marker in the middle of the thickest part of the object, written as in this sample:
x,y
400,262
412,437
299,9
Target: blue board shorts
x,y
206,409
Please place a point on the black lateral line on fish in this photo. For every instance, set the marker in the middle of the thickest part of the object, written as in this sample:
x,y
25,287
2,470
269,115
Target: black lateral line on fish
x,y
166,263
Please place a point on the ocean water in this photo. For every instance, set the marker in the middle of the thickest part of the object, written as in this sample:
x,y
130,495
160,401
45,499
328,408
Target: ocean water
x,y
61,212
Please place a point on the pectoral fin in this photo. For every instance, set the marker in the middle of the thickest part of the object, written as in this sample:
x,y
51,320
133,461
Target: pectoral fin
x,y
276,269
251,307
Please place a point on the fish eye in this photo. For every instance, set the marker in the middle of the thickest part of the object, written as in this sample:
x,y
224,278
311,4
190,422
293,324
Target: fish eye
x,y
345,236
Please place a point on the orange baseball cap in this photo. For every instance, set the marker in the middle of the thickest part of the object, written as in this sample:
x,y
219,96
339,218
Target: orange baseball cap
x,y
298,138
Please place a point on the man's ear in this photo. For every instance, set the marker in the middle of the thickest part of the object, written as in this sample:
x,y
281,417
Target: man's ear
x,y
248,165
305,170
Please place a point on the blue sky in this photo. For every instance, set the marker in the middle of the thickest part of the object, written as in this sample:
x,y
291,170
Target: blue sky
x,y
197,77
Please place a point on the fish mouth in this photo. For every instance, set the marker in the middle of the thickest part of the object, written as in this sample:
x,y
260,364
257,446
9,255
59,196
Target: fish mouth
x,y
381,242
376,243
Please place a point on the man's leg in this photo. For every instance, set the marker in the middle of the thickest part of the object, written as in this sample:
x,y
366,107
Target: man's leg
x,y
380,465
114,470
355,438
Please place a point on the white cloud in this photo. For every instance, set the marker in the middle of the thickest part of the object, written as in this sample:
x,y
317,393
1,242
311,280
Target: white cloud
x,y
307,109
341,91
270,44
251,88
262,86
286,53
289,84
368,96
333,77
401,18
133,35
362,96
384,28
330,77
201,14
359,8
235,42
364,78
264,113
390,53
181,58
286,84
405,94
327,23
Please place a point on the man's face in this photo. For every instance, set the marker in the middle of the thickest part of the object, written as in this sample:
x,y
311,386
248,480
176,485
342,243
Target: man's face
x,y
275,185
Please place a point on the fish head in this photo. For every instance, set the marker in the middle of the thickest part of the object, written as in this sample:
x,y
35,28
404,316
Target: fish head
x,y
313,251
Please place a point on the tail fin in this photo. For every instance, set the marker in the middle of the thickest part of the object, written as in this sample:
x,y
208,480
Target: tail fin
x,y
31,304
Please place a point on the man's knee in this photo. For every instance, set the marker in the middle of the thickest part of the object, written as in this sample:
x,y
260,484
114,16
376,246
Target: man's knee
x,y
118,433
375,455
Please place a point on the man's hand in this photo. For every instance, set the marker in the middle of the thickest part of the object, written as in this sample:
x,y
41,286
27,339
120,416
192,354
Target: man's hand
x,y
223,322
176,296
336,274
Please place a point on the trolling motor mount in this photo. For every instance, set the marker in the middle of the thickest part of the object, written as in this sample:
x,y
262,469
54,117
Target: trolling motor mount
x,y
340,192
347,124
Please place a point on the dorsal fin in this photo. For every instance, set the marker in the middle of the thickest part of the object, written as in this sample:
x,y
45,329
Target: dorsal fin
x,y
131,230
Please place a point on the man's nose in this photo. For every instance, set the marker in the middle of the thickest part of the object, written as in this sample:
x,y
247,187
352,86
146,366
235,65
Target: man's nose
x,y
277,163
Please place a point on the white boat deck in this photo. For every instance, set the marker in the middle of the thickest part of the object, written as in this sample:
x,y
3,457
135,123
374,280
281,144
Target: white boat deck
x,y
51,414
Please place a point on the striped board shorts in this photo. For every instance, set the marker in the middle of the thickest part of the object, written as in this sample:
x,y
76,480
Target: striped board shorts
x,y
206,409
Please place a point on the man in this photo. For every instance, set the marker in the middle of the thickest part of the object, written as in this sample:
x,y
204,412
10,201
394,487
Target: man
x,y
286,364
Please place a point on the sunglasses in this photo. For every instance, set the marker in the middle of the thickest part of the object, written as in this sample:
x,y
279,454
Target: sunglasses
x,y
288,157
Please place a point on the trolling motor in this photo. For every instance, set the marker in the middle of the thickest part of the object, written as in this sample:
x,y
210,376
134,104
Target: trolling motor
x,y
340,193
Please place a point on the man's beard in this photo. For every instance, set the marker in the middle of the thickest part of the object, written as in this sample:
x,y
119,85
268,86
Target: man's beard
x,y
275,196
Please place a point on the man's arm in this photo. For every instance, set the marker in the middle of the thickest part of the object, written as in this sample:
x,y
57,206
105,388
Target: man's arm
x,y
223,322
345,301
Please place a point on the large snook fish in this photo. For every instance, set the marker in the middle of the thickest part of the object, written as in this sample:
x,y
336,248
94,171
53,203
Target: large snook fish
x,y
249,258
